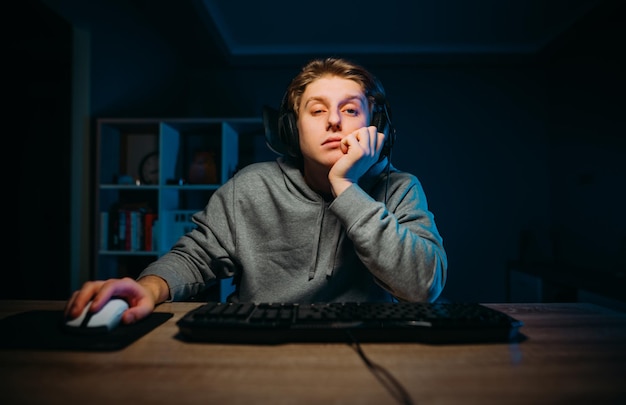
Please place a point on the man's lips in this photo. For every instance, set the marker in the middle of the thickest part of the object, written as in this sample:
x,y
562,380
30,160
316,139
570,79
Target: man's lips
x,y
332,140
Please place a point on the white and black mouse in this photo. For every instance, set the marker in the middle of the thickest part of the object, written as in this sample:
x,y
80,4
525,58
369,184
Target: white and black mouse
x,y
103,321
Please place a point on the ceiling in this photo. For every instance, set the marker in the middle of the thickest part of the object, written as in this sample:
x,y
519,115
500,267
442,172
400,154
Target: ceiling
x,y
250,33
390,29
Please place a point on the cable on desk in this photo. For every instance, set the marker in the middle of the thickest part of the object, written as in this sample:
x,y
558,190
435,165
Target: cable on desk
x,y
387,379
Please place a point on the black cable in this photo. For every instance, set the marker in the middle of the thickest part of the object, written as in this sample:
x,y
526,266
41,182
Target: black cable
x,y
387,379
387,179
392,141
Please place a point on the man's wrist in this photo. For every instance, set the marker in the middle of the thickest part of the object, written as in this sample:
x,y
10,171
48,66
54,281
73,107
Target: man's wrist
x,y
157,287
339,186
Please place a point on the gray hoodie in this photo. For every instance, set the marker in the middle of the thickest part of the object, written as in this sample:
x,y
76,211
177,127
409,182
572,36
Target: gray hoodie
x,y
283,242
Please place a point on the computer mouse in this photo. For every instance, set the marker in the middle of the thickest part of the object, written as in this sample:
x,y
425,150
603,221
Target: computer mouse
x,y
105,320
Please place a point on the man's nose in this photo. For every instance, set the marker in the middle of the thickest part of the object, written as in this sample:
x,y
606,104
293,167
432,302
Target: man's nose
x,y
334,120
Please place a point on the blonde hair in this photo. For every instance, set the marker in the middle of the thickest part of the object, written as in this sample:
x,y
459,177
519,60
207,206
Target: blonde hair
x,y
318,68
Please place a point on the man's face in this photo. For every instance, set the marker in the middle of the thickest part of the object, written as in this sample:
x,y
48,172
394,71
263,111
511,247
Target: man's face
x,y
330,108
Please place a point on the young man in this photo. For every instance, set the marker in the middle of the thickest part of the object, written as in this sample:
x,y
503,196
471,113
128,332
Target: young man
x,y
330,221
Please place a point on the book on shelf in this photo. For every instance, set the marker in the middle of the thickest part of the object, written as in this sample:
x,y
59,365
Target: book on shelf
x,y
127,228
149,222
104,230
131,228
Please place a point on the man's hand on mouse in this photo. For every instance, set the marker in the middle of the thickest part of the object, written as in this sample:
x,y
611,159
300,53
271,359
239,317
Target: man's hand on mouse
x,y
140,296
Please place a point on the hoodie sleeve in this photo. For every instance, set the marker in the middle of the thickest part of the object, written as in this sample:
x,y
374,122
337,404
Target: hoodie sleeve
x,y
398,242
204,254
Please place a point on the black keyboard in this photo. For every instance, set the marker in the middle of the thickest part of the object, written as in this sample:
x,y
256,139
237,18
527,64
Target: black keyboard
x,y
272,323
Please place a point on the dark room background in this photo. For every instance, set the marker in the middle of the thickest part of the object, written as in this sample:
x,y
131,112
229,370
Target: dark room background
x,y
522,159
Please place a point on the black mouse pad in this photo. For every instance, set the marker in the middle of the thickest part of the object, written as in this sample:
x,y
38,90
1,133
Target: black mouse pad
x,y
41,329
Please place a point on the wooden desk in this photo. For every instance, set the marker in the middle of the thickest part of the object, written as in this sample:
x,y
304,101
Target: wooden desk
x,y
575,353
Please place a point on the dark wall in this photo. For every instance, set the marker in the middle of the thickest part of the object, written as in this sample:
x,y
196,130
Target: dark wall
x,y
587,76
39,59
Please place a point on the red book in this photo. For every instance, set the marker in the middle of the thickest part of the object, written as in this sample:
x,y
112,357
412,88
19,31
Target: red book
x,y
149,219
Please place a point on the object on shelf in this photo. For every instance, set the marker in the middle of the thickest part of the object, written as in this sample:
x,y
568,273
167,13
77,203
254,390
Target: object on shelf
x,y
202,169
149,169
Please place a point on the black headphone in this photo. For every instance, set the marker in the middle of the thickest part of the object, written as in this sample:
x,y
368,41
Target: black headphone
x,y
288,138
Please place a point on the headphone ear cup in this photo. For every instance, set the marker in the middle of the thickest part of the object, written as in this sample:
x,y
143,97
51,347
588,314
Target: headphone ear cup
x,y
381,121
270,124
288,129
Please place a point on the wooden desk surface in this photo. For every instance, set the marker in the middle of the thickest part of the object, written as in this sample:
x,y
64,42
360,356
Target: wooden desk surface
x,y
575,353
